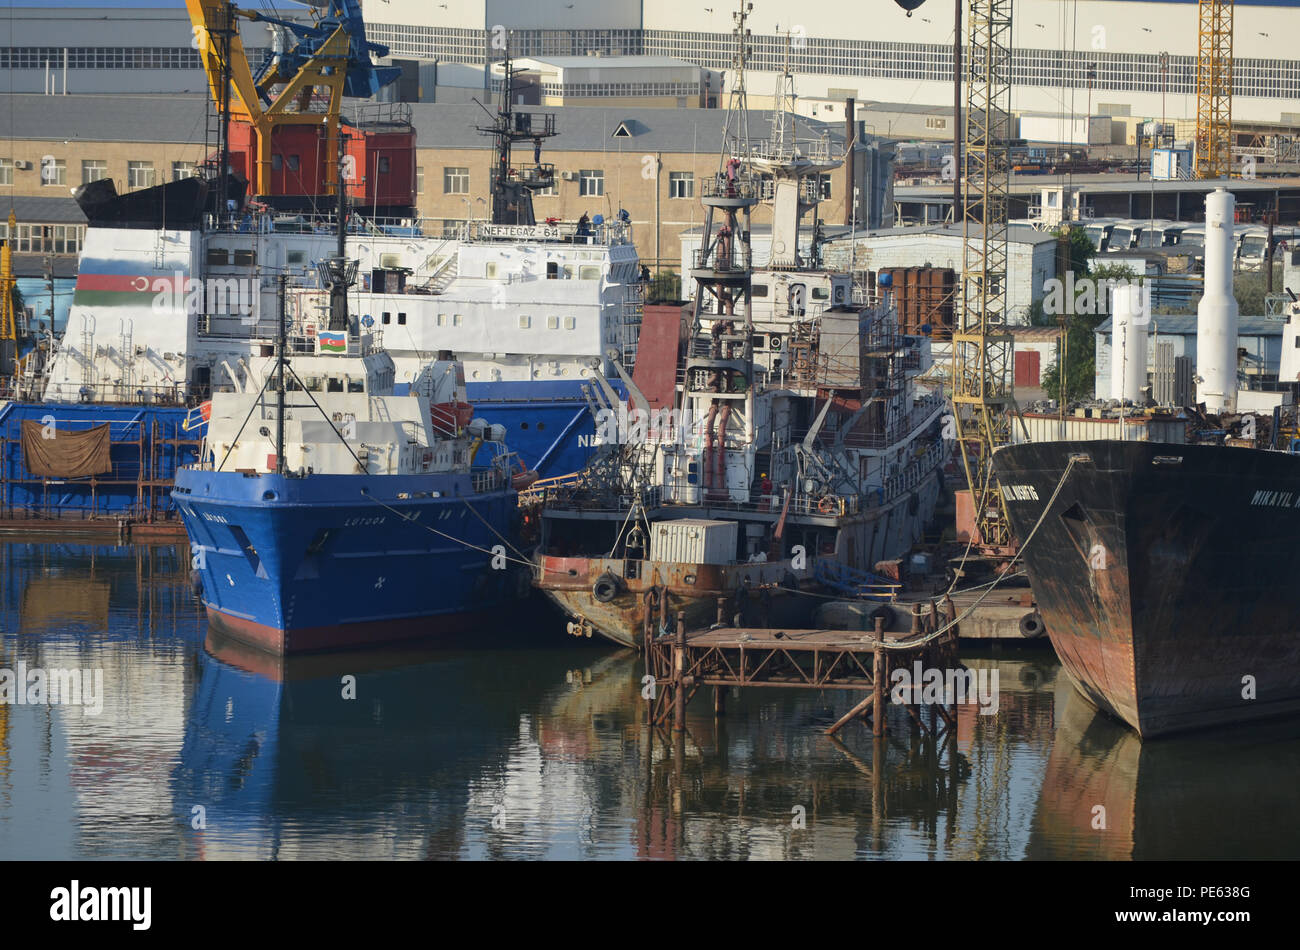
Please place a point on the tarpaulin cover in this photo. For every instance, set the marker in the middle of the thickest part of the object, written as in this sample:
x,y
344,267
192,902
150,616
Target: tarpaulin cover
x,y
70,454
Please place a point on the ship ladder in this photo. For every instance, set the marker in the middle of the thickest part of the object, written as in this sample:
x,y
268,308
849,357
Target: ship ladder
x,y
197,416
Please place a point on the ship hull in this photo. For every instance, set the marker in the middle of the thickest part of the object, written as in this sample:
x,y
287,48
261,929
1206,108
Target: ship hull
x,y
1164,574
300,565
692,590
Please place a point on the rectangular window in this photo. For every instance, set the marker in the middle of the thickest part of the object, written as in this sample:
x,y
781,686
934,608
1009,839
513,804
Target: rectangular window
x,y
442,319
525,322
825,185
419,179
182,170
589,272
93,169
384,164
401,319
456,319
681,184
934,122
139,175
548,192
386,317
455,180
6,172
591,182
293,162
552,323
54,171
570,322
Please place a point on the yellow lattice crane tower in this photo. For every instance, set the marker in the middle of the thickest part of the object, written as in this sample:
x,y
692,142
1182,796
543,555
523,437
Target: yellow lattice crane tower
x,y
8,317
982,347
1214,89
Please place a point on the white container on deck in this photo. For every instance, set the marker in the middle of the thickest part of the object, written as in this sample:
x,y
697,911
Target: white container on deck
x,y
694,541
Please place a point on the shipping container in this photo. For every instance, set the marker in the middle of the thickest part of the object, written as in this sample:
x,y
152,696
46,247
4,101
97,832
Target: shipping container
x,y
694,541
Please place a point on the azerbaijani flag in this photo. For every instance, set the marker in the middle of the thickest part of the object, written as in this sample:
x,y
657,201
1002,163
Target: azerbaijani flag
x,y
332,341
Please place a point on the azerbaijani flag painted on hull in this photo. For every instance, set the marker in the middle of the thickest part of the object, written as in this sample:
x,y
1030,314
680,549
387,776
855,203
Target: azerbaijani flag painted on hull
x,y
332,341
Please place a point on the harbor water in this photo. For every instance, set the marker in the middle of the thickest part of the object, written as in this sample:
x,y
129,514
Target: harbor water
x,y
521,742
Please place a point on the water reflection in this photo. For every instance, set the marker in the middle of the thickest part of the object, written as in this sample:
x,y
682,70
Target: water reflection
x,y
523,743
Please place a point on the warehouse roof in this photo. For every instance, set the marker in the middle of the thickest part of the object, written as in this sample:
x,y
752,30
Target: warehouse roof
x,y
181,119
1184,324
42,209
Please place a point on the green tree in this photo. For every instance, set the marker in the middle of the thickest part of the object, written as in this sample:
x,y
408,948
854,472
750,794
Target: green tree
x,y
1081,339
1080,250
664,286
1250,288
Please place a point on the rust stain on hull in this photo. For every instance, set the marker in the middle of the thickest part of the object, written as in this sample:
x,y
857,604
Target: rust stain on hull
x,y
1166,589
693,588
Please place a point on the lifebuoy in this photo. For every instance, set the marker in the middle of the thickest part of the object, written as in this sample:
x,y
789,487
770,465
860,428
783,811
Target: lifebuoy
x,y
1032,626
606,588
826,505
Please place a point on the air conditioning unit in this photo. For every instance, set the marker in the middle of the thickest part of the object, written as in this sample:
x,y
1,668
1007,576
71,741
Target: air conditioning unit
x,y
22,163
569,176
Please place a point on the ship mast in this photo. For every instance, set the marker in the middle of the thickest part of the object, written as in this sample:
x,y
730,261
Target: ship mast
x,y
512,188
720,367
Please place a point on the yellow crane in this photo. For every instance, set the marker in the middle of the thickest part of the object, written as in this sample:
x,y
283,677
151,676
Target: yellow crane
x,y
1213,157
982,347
8,317
304,88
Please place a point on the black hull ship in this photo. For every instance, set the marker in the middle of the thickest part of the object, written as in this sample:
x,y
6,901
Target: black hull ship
x,y
1164,574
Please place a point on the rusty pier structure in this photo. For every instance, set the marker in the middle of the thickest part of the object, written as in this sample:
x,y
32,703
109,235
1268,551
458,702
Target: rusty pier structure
x,y
681,662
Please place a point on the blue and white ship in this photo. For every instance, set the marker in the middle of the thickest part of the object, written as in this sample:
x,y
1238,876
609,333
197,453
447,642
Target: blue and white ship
x,y
175,294
328,513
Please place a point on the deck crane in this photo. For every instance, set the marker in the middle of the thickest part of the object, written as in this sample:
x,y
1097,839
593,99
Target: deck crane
x,y
302,85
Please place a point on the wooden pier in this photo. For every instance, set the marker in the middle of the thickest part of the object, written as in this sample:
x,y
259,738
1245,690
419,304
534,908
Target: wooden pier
x,y
681,662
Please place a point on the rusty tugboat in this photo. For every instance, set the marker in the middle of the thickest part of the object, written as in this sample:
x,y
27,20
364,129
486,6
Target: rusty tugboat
x,y
769,452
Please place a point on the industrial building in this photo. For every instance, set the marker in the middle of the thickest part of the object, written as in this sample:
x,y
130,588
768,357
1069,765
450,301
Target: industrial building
x,y
116,50
1259,336
647,162
1093,57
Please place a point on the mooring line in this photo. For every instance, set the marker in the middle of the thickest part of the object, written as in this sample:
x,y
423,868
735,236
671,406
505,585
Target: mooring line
x,y
499,535
443,534
910,644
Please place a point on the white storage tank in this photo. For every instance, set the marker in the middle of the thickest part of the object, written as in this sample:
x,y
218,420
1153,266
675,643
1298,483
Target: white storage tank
x,y
1130,307
694,541
1216,314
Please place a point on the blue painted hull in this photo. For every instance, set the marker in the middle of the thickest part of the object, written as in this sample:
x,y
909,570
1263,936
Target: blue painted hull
x,y
297,565
547,423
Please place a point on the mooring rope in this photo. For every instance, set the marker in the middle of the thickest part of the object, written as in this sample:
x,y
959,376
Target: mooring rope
x,y
443,534
912,644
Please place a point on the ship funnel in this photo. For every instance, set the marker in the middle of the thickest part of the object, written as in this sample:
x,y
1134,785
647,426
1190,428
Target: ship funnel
x,y
1216,314
1131,312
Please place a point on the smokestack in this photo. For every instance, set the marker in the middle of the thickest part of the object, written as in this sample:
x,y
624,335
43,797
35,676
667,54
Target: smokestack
x,y
1216,314
1130,308
850,130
